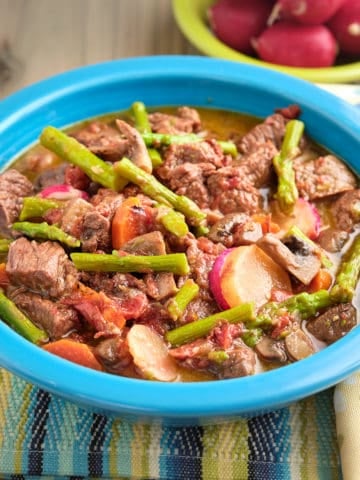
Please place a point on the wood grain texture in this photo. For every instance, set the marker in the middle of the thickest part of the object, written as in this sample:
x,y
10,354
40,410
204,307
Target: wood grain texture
x,y
39,38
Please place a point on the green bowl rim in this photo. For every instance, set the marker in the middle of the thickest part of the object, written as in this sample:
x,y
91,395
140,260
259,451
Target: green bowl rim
x,y
190,17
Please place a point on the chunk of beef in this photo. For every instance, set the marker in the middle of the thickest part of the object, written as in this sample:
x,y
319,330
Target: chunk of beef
x,y
332,239
136,148
73,215
272,129
322,177
334,323
207,151
256,166
241,362
231,192
43,268
76,177
13,188
186,120
199,308
114,354
56,319
95,233
190,180
346,210
38,159
103,140
151,243
157,317
52,176
301,261
106,202
201,255
235,229
291,111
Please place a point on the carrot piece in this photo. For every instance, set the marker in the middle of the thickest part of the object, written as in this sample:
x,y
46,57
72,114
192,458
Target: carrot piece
x,y
73,351
130,220
322,281
4,279
267,225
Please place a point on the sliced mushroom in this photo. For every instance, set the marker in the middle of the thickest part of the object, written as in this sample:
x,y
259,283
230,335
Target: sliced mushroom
x,y
151,243
271,350
235,229
297,257
298,345
137,150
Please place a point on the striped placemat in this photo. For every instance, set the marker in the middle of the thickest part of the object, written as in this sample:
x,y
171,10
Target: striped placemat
x,y
43,436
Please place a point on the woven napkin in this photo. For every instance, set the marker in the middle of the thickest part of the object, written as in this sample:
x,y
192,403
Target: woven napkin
x,y
44,436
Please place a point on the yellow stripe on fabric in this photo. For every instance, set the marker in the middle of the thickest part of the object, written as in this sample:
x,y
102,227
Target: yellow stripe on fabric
x,y
140,451
114,442
226,451
6,384
309,469
22,431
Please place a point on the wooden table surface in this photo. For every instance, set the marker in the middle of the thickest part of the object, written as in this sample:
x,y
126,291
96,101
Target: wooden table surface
x,y
39,38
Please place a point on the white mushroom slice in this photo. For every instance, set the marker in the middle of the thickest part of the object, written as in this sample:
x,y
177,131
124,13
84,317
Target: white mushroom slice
x,y
298,345
137,150
151,355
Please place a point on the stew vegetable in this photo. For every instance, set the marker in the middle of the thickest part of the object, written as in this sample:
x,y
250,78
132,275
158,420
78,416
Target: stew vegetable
x,y
180,244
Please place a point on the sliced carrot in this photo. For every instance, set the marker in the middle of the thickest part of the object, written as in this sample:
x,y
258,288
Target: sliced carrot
x,y
267,224
73,351
322,281
4,279
130,220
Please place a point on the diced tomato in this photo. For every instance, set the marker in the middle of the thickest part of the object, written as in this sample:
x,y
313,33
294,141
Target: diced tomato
x,y
282,324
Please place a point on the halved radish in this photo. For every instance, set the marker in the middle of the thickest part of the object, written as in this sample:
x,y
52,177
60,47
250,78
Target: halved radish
x,y
151,355
63,191
305,216
246,274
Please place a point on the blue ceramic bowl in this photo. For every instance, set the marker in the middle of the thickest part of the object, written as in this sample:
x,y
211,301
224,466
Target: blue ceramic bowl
x,y
113,86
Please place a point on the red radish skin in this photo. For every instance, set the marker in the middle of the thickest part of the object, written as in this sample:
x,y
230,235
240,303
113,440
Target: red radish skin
x,y
308,12
305,216
345,25
246,274
63,192
287,43
235,23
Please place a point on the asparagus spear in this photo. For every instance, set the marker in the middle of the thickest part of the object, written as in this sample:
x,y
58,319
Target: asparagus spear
x,y
99,262
166,139
19,322
4,245
157,191
287,192
46,231
74,152
304,304
177,305
143,126
200,328
296,232
173,221
347,275
36,207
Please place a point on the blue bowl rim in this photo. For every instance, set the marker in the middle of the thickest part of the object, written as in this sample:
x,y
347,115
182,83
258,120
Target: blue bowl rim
x,y
178,400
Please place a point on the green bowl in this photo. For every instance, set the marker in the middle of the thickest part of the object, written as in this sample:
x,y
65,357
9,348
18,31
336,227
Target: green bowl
x,y
191,18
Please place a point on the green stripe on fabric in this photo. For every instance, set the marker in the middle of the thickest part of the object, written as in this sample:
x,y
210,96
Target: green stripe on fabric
x,y
120,458
226,451
308,450
5,388
140,450
24,416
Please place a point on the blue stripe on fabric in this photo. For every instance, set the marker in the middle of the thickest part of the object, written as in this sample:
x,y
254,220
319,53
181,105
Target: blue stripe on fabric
x,y
98,435
269,446
182,451
38,432
328,459
81,442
